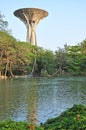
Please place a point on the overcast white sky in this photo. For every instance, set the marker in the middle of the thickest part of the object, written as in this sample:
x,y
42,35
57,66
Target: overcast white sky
x,y
66,22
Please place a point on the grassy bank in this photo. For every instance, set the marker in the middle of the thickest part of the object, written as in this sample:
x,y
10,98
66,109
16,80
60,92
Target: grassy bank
x,y
72,119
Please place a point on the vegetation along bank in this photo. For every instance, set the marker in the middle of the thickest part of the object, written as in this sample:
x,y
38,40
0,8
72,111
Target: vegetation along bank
x,y
72,119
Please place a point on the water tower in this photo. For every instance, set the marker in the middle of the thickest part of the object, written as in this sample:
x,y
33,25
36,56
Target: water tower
x,y
31,17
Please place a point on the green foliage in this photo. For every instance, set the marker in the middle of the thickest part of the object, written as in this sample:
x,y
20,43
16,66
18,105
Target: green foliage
x,y
13,54
61,60
3,23
75,59
7,52
72,119
22,57
43,61
49,58
12,125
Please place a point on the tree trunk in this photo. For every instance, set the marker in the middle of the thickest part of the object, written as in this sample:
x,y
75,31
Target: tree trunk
x,y
34,66
60,70
7,65
0,73
55,73
11,71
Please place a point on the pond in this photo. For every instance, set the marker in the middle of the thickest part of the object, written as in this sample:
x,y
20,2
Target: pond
x,y
38,99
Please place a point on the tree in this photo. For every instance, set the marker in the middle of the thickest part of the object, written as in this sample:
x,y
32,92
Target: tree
x,y
61,60
45,62
74,55
3,23
83,61
22,57
83,47
12,54
7,53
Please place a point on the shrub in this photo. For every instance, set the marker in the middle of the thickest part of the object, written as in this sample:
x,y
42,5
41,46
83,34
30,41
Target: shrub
x,y
72,119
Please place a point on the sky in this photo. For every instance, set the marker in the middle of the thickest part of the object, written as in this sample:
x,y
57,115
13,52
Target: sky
x,y
65,24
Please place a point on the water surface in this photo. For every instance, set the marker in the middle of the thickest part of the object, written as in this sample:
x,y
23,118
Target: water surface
x,y
37,100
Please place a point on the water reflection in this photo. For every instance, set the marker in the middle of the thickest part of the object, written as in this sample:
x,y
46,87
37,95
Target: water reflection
x,y
12,98
36,100
33,102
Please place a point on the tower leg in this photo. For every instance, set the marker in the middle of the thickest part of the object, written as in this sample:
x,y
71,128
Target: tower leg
x,y
31,35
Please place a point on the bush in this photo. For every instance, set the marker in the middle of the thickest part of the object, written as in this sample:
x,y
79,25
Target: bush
x,y
12,125
72,119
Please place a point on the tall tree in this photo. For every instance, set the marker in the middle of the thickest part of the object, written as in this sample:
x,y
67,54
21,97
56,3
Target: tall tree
x,y
83,61
45,62
3,23
61,60
7,53
74,54
12,54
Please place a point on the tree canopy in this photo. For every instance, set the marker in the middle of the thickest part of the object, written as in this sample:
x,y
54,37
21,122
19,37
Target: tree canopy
x,y
3,23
